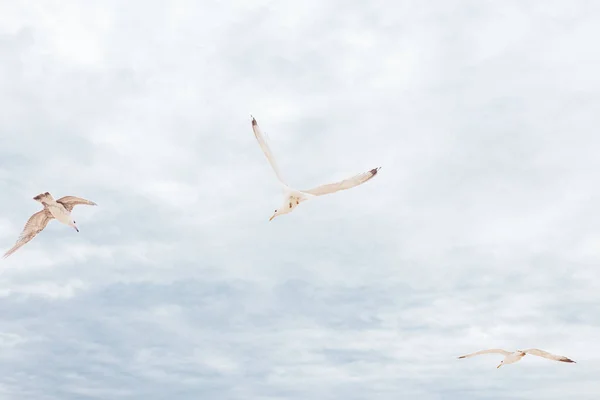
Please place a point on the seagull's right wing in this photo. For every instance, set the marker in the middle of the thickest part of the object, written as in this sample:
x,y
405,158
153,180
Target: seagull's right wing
x,y
343,185
265,148
34,225
550,356
71,201
490,351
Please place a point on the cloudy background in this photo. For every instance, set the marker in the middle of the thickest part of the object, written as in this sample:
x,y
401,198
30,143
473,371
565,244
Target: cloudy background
x,y
480,231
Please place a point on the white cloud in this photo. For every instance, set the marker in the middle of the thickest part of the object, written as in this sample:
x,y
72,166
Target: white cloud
x,y
480,230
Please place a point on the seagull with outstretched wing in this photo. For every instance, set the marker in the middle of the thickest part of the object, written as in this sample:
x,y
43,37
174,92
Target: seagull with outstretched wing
x,y
53,209
293,197
511,358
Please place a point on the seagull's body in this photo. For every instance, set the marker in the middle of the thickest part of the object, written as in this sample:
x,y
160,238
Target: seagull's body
x,y
292,197
513,357
53,209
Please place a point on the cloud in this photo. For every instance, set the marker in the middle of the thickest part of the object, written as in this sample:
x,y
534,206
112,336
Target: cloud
x,y
480,230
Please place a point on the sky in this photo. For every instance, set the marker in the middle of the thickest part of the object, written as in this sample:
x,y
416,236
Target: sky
x,y
480,230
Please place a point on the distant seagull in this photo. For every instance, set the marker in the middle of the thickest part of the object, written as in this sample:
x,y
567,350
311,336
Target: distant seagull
x,y
59,209
510,358
293,197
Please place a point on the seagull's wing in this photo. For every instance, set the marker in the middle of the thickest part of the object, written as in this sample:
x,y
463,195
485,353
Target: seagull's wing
x,y
265,148
342,185
490,351
71,201
545,354
34,225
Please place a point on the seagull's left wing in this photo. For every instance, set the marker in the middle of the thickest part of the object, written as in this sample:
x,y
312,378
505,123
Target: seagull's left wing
x,y
266,149
488,351
71,201
545,354
35,224
343,185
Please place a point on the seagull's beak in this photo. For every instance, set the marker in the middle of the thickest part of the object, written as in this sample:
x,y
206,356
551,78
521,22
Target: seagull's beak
x,y
498,366
273,216
76,228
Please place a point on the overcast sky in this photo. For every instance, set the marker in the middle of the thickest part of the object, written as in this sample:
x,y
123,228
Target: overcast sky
x,y
481,229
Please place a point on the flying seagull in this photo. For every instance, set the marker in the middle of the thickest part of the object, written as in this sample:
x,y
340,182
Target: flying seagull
x,y
293,197
510,358
59,209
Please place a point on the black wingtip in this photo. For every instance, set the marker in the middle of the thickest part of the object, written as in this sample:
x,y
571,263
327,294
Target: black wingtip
x,y
567,360
253,120
375,170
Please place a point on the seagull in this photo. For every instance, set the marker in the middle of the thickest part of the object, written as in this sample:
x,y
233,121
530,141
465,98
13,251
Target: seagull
x,y
293,197
510,358
59,209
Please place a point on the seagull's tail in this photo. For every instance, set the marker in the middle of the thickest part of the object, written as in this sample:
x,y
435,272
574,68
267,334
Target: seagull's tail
x,y
44,198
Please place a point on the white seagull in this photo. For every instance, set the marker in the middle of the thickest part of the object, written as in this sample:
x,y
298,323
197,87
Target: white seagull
x,y
293,197
510,358
59,209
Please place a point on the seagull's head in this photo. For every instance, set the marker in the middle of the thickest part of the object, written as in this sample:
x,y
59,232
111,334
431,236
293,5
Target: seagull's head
x,y
74,225
275,214
278,212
